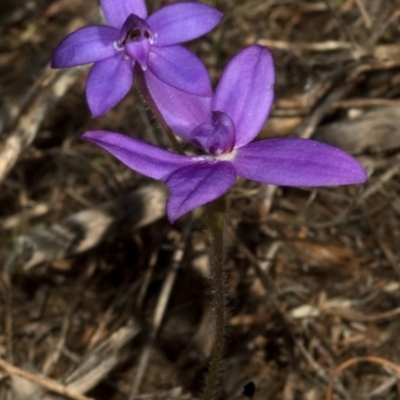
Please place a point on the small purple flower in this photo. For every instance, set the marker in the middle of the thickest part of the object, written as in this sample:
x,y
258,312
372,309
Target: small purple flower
x,y
131,36
222,127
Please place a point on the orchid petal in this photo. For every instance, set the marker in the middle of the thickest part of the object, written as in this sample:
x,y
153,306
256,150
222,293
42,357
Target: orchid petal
x,y
139,51
182,111
117,11
181,22
86,45
140,156
297,162
198,184
108,83
245,91
180,68
217,137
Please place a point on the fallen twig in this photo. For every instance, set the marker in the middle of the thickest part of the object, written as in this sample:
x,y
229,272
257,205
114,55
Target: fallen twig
x,y
47,383
356,360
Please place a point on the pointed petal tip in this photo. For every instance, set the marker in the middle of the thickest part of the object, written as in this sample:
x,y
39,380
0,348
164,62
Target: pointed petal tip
x,y
359,174
174,213
142,157
88,135
172,216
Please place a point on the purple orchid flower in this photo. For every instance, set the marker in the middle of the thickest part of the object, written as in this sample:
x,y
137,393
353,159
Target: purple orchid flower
x,y
222,127
132,36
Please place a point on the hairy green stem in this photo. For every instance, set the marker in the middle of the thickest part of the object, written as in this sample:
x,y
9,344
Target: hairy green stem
x,y
153,108
216,221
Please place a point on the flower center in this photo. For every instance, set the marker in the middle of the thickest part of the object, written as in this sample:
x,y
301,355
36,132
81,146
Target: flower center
x,y
216,137
135,29
136,39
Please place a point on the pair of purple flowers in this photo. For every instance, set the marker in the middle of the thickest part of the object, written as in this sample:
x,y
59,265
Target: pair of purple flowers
x,y
221,124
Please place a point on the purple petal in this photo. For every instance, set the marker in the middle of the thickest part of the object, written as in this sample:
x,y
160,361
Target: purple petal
x,y
180,68
217,137
180,22
139,51
108,83
198,184
182,111
140,156
245,91
86,45
297,162
117,11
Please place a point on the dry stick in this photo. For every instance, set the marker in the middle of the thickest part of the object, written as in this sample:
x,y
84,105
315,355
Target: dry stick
x,y
381,53
340,22
384,387
53,86
327,46
307,128
353,315
98,363
370,102
317,368
356,360
364,13
145,283
15,220
382,21
161,306
47,383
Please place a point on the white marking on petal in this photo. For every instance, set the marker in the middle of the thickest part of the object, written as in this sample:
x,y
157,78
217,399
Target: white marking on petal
x,y
117,46
226,156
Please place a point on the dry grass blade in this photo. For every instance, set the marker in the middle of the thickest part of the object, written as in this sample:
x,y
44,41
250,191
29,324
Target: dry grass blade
x,y
47,383
54,86
99,362
160,308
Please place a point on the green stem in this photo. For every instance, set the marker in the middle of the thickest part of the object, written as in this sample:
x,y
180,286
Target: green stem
x,y
216,221
153,108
